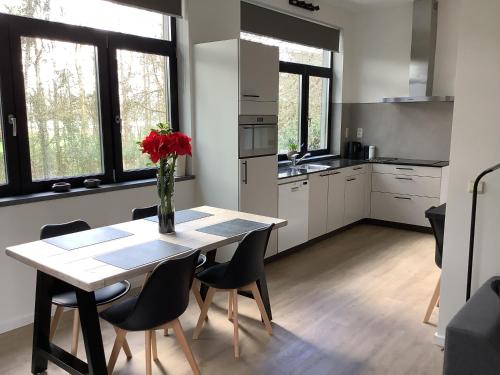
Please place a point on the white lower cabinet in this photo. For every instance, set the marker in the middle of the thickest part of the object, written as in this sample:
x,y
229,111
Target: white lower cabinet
x,y
293,205
355,198
318,204
336,200
401,208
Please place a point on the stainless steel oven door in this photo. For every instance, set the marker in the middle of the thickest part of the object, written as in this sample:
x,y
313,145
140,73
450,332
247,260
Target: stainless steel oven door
x,y
258,140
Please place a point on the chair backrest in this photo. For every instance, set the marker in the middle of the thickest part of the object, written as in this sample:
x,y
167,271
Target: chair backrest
x,y
144,212
165,295
247,264
54,230
437,224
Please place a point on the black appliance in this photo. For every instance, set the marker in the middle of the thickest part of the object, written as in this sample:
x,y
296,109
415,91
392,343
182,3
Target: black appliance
x,y
354,150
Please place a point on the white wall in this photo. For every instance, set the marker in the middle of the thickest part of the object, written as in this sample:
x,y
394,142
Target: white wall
x,y
474,147
22,223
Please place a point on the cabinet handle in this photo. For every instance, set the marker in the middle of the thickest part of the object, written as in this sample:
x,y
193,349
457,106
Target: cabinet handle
x,y
351,179
13,122
324,175
404,169
245,178
357,168
404,178
251,96
404,198
294,189
336,172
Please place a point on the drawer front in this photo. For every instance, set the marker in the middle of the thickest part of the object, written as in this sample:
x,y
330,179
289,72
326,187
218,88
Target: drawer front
x,y
401,208
404,184
407,170
357,169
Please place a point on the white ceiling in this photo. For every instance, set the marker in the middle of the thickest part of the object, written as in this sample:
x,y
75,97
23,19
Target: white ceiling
x,y
364,4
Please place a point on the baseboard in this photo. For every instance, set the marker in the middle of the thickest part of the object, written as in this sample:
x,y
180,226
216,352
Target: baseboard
x,y
18,322
439,339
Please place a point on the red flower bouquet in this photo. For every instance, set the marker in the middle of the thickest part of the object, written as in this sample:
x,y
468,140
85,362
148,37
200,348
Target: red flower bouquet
x,y
163,147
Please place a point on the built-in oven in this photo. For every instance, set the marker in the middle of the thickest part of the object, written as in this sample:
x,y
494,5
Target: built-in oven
x,y
257,135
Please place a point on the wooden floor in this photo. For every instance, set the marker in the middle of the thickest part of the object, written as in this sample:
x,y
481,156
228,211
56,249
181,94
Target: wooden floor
x,y
351,304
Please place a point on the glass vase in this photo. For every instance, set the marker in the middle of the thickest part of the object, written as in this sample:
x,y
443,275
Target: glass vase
x,y
166,208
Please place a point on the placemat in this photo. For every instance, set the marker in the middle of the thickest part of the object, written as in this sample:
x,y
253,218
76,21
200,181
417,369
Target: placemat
x,y
232,228
184,216
139,255
90,237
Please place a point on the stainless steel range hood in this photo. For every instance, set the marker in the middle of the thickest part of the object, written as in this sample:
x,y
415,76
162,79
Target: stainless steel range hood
x,y
423,48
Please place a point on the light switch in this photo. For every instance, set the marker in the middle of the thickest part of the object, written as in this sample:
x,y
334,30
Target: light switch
x,y
360,133
347,133
480,187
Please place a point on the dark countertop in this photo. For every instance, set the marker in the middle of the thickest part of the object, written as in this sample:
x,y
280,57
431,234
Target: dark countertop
x,y
285,171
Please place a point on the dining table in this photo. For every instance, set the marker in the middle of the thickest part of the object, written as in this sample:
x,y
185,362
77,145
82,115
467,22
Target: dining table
x,y
90,260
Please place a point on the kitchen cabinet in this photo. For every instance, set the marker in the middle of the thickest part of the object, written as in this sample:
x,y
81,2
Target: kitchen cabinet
x,y
355,198
293,205
258,191
259,72
318,204
336,200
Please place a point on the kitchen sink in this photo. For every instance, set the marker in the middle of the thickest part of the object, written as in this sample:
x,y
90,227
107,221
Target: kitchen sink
x,y
310,167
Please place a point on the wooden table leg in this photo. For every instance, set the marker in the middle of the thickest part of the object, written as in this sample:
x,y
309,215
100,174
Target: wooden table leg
x,y
210,262
91,332
41,326
264,293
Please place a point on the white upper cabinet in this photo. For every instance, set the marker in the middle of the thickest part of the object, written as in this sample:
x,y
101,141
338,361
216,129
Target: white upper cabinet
x,y
259,72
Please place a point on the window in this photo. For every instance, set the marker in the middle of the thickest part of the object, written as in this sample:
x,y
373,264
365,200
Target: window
x,y
81,98
98,14
61,91
304,116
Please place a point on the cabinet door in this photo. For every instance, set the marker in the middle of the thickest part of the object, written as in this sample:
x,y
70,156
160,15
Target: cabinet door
x,y
336,191
355,198
259,191
259,72
293,205
318,204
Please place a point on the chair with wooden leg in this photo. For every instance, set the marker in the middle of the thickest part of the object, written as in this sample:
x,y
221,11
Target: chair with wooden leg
x,y
239,274
162,301
65,297
436,217
143,213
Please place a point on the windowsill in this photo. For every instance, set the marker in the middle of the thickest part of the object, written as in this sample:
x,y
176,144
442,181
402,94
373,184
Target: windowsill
x,y
47,196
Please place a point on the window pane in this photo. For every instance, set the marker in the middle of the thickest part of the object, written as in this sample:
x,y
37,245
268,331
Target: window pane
x,y
318,113
289,112
3,172
99,14
291,52
62,105
143,94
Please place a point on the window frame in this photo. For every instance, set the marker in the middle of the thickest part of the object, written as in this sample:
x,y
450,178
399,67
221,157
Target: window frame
x,y
133,43
18,169
307,71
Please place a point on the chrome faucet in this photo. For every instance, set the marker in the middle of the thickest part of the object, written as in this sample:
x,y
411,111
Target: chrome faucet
x,y
296,161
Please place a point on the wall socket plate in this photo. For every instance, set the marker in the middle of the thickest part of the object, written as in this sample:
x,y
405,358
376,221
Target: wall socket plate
x,y
359,133
480,187
346,133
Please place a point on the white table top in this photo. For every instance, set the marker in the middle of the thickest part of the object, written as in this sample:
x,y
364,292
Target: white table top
x,y
79,268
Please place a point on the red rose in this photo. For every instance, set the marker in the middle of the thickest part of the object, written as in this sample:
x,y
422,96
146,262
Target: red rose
x,y
181,144
150,145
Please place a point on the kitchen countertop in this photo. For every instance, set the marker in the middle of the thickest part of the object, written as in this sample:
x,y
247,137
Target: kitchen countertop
x,y
285,171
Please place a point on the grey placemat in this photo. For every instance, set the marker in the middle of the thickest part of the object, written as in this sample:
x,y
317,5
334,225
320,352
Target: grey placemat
x,y
90,237
139,255
232,228
184,216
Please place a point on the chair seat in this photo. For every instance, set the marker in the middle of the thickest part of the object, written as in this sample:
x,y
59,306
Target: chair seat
x,y
214,277
118,313
103,296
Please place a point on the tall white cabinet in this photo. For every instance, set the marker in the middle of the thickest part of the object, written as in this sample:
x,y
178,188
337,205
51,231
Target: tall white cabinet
x,y
233,78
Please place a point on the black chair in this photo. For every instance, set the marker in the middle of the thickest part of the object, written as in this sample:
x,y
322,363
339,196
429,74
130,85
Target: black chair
x,y
144,212
163,299
65,296
239,274
436,217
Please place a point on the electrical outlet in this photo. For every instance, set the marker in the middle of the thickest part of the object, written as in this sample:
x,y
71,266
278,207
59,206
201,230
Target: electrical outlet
x,y
480,187
347,133
360,133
